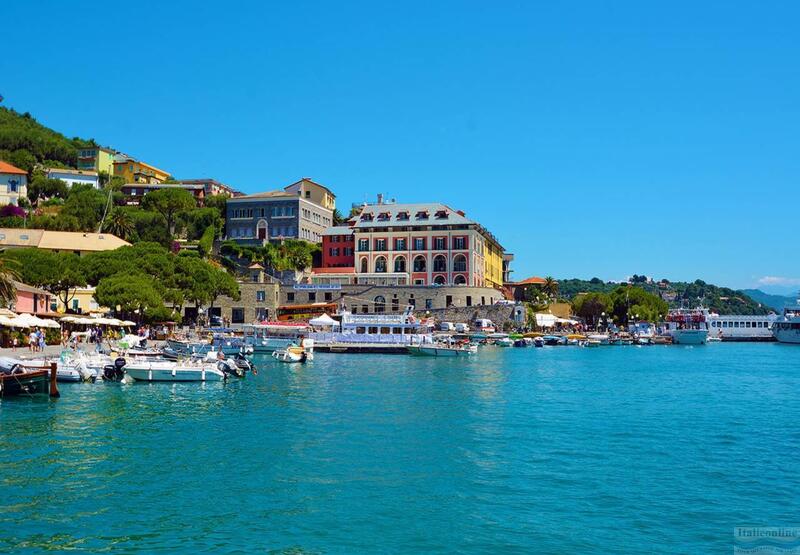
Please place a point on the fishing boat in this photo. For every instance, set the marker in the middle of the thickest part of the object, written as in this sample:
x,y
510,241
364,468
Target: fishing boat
x,y
169,371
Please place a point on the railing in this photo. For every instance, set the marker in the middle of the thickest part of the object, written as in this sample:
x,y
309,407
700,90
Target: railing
x,y
382,338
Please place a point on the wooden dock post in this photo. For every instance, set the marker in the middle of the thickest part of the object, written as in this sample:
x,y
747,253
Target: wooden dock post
x,y
53,385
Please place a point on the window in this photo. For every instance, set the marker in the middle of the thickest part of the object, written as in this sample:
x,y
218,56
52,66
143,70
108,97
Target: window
x,y
439,263
422,215
364,268
460,263
428,304
363,245
312,296
75,304
328,296
237,315
449,300
460,280
380,305
308,194
419,243
395,305
419,264
469,300
380,265
402,216
400,264
441,214
439,280
365,308
439,243
261,296
459,243
290,297
380,244
399,244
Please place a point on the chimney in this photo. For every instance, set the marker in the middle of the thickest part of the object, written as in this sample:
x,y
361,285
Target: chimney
x,y
380,198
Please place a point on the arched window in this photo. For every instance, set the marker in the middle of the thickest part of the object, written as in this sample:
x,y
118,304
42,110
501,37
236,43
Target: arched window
x,y
419,264
438,280
460,263
460,280
380,265
400,264
380,305
439,263
364,268
261,229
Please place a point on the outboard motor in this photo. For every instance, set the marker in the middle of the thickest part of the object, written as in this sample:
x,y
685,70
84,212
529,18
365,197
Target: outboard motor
x,y
229,367
115,372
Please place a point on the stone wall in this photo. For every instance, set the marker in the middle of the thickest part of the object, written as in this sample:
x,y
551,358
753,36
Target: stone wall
x,y
498,314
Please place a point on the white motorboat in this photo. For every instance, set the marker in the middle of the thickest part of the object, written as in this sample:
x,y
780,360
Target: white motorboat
x,y
598,338
504,342
168,371
786,329
688,327
291,354
442,350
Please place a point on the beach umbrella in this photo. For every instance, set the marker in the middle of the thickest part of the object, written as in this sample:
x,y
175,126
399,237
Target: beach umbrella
x,y
8,322
127,323
8,313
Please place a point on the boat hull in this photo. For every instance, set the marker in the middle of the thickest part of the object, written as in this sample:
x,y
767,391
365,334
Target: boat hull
x,y
26,383
431,351
689,337
790,335
160,373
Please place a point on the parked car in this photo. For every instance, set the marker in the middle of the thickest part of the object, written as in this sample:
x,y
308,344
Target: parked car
x,y
462,328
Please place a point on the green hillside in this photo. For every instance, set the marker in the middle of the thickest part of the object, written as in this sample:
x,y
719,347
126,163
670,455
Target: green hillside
x,y
24,142
773,301
722,300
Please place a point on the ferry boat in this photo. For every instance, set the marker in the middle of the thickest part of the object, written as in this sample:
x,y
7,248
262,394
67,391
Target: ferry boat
x,y
688,326
364,333
740,328
786,329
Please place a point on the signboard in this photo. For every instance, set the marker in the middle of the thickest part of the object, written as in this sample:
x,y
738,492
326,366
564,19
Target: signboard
x,y
317,286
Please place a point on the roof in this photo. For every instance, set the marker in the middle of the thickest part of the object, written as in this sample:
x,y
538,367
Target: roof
x,y
385,215
29,288
70,171
5,167
309,180
265,195
184,186
339,230
533,280
59,240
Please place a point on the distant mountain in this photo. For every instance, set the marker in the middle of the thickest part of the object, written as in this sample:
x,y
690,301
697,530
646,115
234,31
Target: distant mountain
x,y
773,301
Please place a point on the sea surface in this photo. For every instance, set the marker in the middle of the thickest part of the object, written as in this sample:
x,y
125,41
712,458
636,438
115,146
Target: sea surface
x,y
660,449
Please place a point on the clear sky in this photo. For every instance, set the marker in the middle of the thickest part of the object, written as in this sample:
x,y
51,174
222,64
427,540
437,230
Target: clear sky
x,y
593,138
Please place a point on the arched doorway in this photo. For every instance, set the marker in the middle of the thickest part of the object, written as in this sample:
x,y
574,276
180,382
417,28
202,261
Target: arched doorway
x,y
262,231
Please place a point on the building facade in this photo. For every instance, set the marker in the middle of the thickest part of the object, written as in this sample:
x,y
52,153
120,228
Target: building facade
x,y
135,191
13,183
75,177
96,159
59,241
135,171
418,244
338,247
211,187
303,210
31,300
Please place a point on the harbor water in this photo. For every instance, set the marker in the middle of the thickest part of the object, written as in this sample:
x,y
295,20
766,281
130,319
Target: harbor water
x,y
660,449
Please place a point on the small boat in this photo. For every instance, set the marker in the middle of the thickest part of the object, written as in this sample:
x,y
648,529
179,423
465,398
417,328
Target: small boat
x,y
554,340
599,338
538,341
168,371
520,342
442,350
291,354
16,379
504,342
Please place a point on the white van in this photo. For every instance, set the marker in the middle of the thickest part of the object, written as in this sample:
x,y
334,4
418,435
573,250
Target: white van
x,y
462,328
447,326
485,325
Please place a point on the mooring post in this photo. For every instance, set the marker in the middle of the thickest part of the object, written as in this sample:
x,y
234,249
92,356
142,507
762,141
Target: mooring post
x,y
53,385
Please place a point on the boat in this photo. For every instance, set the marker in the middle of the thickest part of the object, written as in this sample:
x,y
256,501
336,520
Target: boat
x,y
504,342
370,333
442,349
538,341
554,340
271,336
688,326
169,371
786,329
598,338
291,354
732,327
520,342
16,378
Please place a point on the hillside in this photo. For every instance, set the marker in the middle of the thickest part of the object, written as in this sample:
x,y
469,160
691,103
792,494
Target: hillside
x,y
24,142
722,300
774,301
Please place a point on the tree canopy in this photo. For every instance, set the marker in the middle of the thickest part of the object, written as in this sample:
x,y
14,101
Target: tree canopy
x,y
168,203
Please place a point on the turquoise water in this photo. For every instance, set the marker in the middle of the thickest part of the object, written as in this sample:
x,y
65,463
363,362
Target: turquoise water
x,y
616,449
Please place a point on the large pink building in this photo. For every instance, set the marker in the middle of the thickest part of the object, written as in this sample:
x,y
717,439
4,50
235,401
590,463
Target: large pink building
x,y
31,300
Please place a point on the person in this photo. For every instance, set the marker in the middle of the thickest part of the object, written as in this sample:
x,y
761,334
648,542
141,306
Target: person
x,y
33,340
16,340
42,341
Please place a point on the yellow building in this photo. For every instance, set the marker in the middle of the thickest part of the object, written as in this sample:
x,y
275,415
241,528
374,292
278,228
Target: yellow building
x,y
312,191
135,171
97,159
493,261
57,241
82,302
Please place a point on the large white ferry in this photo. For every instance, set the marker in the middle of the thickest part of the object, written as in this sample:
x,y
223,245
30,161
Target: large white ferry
x,y
687,326
699,325
786,329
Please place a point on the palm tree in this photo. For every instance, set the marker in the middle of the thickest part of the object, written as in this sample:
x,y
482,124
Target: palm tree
x,y
550,287
8,273
120,224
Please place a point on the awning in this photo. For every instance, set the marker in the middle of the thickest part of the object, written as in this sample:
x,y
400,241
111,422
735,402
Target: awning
x,y
323,321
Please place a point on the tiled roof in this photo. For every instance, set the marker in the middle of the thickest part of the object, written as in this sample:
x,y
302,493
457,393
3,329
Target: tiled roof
x,y
534,280
70,171
387,215
333,271
267,194
5,167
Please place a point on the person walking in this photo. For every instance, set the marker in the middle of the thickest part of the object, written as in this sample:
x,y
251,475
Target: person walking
x,y
42,341
33,340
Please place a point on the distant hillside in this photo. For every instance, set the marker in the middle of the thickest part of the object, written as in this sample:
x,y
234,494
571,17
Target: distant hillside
x,y
774,301
25,142
722,300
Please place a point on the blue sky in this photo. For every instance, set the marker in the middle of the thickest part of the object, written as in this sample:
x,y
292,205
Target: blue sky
x,y
593,138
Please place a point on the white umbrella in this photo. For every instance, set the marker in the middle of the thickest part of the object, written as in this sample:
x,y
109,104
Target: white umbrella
x,y
6,321
127,323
